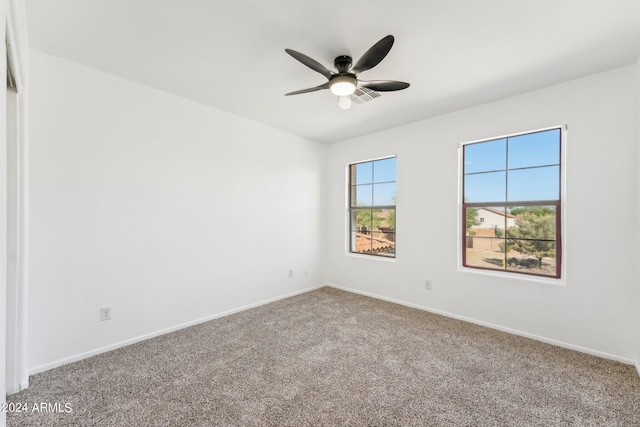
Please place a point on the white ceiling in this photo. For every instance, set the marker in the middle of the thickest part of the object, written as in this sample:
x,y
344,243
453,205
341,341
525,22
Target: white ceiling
x,y
229,54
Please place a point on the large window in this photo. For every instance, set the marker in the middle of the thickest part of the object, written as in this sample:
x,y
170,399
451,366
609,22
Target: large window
x,y
511,205
372,207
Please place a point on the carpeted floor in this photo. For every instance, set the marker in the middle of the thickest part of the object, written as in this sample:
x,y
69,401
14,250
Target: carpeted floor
x,y
333,358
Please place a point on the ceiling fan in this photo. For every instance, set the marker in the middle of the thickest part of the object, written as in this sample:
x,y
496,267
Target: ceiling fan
x,y
345,81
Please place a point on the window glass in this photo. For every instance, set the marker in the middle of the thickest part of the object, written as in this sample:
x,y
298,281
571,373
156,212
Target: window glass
x,y
534,149
485,187
384,194
534,184
485,156
384,170
362,173
362,195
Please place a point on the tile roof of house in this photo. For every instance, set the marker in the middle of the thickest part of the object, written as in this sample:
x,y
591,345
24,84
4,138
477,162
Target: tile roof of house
x,y
369,244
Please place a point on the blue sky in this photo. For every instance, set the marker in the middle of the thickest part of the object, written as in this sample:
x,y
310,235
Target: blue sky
x,y
376,182
510,170
520,168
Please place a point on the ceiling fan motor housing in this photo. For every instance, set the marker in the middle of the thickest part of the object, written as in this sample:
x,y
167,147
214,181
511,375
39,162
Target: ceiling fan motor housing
x,y
342,63
343,83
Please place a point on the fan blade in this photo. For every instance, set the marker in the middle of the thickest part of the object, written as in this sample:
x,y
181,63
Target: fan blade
x,y
383,85
311,63
311,89
374,55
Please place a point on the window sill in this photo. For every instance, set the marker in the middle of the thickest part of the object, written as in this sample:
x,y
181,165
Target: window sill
x,y
370,257
514,276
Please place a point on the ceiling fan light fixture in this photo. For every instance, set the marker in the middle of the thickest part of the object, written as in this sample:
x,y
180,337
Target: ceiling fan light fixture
x,y
343,85
344,102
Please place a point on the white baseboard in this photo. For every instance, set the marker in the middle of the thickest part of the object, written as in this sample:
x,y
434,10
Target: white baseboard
x,y
18,387
497,327
77,357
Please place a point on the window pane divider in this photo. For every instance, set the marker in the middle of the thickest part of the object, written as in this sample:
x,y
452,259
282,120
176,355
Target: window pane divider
x,y
366,208
511,203
513,169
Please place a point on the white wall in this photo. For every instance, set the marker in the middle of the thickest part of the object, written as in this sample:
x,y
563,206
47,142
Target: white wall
x,y
593,309
166,210
3,213
17,207
637,322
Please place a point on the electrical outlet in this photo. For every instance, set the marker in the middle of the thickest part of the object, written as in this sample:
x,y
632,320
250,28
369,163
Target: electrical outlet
x,y
105,313
290,274
427,284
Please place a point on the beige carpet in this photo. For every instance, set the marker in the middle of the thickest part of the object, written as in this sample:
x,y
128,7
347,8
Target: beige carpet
x,y
332,358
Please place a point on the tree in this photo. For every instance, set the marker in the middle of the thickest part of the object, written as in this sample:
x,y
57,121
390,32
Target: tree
x,y
367,220
472,218
537,210
534,233
391,219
